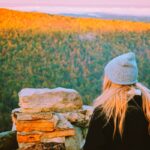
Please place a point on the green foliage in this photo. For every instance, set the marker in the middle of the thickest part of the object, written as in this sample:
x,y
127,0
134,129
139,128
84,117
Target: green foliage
x,y
55,59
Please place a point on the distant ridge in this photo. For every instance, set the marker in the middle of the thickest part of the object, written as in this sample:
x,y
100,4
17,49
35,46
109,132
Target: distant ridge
x,y
109,16
131,13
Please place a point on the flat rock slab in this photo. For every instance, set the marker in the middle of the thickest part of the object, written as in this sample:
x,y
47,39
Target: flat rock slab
x,y
31,137
19,115
55,140
57,100
39,125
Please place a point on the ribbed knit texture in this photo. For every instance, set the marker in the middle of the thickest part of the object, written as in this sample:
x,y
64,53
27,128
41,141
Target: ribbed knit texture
x,y
122,69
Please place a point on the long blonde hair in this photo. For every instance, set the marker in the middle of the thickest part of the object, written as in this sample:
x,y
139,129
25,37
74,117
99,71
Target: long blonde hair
x,y
114,102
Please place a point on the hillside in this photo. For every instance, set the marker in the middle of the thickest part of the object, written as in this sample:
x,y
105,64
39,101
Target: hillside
x,y
39,50
109,16
43,22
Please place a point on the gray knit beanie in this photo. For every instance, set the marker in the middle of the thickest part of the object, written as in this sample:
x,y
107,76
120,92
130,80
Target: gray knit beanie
x,y
122,69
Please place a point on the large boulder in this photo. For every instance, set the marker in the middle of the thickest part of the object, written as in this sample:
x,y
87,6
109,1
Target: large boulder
x,y
57,100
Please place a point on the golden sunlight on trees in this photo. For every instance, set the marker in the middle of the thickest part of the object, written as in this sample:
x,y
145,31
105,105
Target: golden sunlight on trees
x,y
10,19
40,50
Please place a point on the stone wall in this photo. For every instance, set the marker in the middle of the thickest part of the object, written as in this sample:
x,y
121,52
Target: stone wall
x,y
51,119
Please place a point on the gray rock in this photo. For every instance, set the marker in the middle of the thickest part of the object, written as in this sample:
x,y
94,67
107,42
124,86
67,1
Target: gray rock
x,y
79,136
71,143
57,100
80,117
75,142
54,140
63,123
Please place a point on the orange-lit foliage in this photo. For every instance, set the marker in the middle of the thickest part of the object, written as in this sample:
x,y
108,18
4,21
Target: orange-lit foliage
x,y
43,22
32,55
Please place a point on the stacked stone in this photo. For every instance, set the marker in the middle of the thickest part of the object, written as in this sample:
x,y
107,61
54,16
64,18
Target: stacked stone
x,y
51,119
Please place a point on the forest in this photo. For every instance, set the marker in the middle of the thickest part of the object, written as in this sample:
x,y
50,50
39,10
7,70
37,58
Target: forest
x,y
63,58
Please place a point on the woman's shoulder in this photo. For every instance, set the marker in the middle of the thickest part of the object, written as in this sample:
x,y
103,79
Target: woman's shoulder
x,y
98,115
136,101
97,112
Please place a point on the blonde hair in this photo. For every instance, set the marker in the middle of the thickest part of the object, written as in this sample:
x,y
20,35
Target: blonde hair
x,y
114,102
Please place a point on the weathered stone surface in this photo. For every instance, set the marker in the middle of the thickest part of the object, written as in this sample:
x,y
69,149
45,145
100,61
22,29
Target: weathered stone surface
x,y
79,136
76,118
58,100
71,143
58,133
27,146
17,115
42,146
30,137
33,116
53,146
38,125
63,123
35,110
80,117
54,140
74,142
88,111
8,140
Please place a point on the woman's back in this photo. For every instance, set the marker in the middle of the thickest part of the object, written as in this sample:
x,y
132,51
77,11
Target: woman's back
x,y
121,119
135,134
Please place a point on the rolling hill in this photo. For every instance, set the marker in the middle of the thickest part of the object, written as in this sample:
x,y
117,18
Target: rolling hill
x,y
44,22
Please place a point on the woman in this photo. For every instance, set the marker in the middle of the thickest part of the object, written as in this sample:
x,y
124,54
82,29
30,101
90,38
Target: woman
x,y
121,118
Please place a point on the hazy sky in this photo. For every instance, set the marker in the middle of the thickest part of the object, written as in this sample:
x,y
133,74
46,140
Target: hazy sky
x,y
132,3
121,7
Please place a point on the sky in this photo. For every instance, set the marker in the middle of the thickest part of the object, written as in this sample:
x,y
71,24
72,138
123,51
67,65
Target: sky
x,y
129,7
139,3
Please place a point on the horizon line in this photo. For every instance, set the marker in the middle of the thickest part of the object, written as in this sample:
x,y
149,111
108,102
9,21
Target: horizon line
x,y
63,5
80,10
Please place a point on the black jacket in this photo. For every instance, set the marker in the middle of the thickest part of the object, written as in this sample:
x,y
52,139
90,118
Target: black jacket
x,y
135,135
